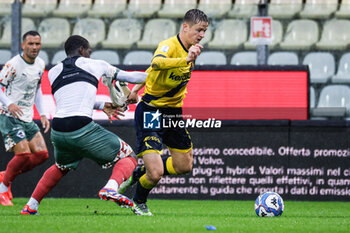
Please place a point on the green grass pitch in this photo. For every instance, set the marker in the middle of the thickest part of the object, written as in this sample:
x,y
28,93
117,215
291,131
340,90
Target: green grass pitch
x,y
93,215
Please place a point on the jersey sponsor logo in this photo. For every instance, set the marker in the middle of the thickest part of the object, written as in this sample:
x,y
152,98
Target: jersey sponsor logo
x,y
24,103
151,138
164,48
151,120
148,145
184,77
70,75
20,134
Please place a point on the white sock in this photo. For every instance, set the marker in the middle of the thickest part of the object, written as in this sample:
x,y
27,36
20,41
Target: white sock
x,y
113,184
33,203
3,188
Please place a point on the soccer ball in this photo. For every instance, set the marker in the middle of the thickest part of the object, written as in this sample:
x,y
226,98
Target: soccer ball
x,y
269,204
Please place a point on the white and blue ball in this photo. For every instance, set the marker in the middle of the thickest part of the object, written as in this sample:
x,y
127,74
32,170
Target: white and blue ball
x,y
269,204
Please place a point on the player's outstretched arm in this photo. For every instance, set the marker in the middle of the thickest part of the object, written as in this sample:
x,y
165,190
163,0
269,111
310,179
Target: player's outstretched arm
x,y
133,97
162,62
7,74
165,63
119,91
13,108
103,69
39,99
45,123
131,76
112,111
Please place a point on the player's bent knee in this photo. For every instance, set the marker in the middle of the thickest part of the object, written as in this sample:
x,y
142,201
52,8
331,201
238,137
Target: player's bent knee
x,y
154,176
185,164
189,167
185,168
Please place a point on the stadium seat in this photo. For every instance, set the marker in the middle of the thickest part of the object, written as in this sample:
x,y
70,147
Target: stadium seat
x,y
244,58
107,8
283,58
300,34
244,9
229,34
38,8
319,9
321,65
5,55
43,55
123,33
54,32
284,9
312,97
58,57
92,29
277,33
335,35
138,58
5,7
343,72
176,9
156,30
142,8
214,8
27,25
109,56
72,9
211,58
344,9
334,101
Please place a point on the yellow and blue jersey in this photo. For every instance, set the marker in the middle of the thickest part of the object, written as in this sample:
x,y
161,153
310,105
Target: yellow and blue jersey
x,y
169,74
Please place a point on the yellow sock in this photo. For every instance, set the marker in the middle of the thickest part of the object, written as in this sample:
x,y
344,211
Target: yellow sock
x,y
169,166
145,183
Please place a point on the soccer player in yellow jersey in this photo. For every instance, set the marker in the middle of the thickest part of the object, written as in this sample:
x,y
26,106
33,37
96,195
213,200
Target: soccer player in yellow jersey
x,y
165,89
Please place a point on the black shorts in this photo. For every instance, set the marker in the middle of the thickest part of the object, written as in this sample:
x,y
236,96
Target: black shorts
x,y
151,135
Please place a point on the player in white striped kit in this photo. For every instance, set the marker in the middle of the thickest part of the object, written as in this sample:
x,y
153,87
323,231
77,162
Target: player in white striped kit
x,y
21,77
74,135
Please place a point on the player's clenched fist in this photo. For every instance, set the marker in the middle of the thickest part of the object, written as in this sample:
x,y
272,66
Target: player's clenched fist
x,y
194,52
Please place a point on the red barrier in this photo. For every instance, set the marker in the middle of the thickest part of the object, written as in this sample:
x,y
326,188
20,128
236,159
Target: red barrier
x,y
231,94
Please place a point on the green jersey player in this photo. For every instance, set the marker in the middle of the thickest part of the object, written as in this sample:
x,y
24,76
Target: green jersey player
x,y
21,77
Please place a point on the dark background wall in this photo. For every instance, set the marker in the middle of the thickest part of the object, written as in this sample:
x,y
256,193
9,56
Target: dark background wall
x,y
301,160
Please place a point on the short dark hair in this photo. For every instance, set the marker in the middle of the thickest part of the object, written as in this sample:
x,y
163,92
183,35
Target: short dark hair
x,y
74,42
30,33
195,16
